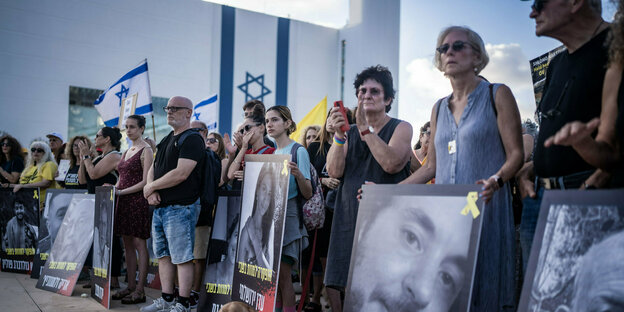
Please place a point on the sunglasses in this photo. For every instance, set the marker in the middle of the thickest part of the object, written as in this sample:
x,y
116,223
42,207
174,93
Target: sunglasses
x,y
211,140
456,46
247,128
5,144
538,5
428,132
37,150
173,109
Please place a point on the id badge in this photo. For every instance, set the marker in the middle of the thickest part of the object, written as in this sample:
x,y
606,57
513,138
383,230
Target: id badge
x,y
452,147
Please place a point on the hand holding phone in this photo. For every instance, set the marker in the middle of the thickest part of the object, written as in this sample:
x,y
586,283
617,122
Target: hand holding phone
x,y
344,128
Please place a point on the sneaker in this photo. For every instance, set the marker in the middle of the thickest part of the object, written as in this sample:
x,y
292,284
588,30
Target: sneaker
x,y
159,305
178,307
194,299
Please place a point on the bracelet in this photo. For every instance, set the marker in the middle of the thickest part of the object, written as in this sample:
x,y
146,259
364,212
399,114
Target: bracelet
x,y
339,142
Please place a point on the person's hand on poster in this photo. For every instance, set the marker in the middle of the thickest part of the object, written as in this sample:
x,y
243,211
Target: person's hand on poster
x,y
238,174
229,147
294,169
153,199
17,187
360,192
330,183
490,185
5,184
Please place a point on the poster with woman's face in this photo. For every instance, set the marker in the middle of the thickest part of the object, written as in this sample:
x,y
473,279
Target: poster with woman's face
x,y
577,256
71,246
262,217
415,248
19,222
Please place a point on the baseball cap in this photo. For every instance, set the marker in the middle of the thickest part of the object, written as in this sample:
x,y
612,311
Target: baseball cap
x,y
56,134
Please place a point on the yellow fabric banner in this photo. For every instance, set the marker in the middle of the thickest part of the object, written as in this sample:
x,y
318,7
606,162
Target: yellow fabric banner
x,y
315,117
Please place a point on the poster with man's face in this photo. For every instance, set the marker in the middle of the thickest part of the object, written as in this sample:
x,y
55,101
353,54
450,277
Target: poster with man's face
x,y
221,253
577,256
19,223
50,220
415,248
70,248
102,242
262,219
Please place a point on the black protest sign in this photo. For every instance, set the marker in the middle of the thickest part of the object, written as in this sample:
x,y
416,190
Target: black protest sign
x,y
102,244
19,223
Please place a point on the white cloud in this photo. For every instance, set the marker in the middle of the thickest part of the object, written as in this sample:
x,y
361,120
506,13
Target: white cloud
x,y
424,84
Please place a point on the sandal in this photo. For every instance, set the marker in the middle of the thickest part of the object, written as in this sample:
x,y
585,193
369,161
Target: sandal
x,y
122,294
313,307
134,298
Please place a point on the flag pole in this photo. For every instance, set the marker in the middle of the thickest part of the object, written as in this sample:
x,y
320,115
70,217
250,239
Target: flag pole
x,y
153,128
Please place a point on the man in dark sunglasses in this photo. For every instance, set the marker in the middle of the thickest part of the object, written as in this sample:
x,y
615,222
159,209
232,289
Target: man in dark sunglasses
x,y
572,91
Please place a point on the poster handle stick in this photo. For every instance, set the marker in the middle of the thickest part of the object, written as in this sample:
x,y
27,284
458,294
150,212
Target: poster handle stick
x,y
153,128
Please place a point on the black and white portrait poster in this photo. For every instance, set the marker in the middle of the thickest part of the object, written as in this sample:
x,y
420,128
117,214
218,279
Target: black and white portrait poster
x,y
102,242
221,253
50,220
263,211
19,222
153,277
70,249
415,247
577,256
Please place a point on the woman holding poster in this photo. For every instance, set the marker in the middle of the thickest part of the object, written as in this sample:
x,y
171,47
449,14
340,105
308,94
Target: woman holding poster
x,y
477,139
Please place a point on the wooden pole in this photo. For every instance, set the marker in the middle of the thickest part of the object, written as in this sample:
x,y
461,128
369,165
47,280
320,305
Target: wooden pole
x,y
153,128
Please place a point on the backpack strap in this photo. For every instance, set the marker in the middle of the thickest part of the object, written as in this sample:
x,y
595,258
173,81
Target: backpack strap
x,y
300,200
261,151
492,100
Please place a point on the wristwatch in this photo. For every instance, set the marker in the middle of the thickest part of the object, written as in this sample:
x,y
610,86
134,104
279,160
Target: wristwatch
x,y
499,181
367,131
85,157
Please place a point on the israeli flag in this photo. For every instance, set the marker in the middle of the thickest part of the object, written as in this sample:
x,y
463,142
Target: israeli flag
x,y
207,112
129,95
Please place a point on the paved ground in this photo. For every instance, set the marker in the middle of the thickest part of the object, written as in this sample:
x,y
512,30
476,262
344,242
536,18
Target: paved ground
x,y
19,294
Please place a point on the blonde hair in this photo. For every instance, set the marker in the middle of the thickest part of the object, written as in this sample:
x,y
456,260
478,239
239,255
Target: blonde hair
x,y
304,134
475,42
47,155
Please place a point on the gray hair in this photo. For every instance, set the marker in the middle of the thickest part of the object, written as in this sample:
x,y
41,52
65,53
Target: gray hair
x,y
475,41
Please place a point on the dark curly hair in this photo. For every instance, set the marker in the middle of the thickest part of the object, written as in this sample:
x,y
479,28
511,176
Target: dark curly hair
x,y
115,136
382,75
616,37
16,148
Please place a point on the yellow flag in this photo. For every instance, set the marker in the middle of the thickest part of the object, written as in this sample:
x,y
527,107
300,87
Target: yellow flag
x,y
315,117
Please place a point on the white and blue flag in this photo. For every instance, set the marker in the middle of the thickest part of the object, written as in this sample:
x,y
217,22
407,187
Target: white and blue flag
x,y
133,89
207,111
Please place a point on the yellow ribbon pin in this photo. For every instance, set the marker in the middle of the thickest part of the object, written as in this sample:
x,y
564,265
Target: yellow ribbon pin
x,y
35,195
112,191
471,205
285,168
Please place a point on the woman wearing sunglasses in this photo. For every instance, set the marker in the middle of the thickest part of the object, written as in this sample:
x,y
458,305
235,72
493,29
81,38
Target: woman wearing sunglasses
x,y
253,131
477,139
215,142
40,170
11,161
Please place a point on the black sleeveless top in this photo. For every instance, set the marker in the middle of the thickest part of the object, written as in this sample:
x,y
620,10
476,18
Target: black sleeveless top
x,y
110,178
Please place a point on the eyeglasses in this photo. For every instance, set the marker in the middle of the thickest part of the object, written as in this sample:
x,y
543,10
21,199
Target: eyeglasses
x,y
554,112
211,140
97,135
37,150
75,145
246,128
456,46
428,132
173,109
373,91
5,144
538,5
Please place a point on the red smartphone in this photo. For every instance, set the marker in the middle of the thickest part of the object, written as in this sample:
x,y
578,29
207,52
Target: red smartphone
x,y
346,126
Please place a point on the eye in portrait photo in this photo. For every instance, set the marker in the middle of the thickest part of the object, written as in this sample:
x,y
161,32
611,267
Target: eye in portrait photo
x,y
57,202
412,253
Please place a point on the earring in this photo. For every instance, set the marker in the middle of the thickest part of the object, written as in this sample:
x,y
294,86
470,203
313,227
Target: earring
x,y
475,69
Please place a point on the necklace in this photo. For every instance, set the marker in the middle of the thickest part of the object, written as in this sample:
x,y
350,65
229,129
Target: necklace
x,y
597,27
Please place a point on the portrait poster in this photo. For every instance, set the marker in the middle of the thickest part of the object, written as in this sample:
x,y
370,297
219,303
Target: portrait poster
x,y
221,256
577,256
102,244
19,223
539,65
50,220
263,215
70,249
414,246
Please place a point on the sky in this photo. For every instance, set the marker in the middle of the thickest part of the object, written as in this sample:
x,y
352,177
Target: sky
x,y
505,27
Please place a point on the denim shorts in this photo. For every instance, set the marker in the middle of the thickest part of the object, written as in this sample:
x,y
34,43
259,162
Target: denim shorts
x,y
173,232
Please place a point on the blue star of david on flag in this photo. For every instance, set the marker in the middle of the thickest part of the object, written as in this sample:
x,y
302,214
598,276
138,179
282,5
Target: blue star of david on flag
x,y
250,79
123,93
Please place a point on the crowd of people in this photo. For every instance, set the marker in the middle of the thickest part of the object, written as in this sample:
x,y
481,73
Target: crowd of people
x,y
475,135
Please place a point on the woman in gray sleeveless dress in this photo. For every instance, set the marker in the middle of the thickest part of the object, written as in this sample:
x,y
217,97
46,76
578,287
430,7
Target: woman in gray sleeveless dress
x,y
477,139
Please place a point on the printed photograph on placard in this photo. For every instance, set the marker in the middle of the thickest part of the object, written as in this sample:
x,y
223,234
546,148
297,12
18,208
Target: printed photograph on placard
x,y
415,248
221,254
153,278
539,67
577,256
262,219
102,244
19,227
56,203
70,248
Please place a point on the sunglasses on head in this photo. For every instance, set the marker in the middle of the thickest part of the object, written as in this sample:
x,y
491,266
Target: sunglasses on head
x,y
538,5
246,128
37,150
211,140
456,46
